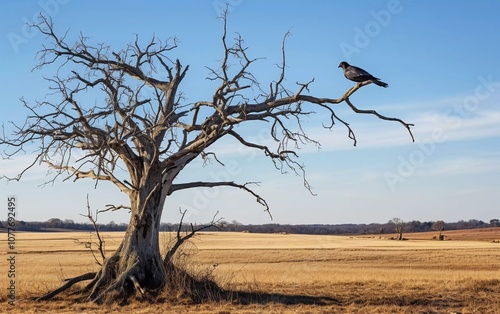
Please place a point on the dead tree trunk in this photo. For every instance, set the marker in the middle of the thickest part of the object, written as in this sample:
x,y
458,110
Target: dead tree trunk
x,y
137,265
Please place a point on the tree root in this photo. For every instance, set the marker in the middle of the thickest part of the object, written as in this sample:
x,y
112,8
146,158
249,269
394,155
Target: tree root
x,y
117,286
104,283
67,285
106,274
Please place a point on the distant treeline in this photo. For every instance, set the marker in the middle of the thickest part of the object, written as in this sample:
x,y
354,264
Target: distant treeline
x,y
56,224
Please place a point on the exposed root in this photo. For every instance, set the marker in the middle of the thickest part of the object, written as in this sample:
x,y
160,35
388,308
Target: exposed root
x,y
105,285
116,286
106,274
67,285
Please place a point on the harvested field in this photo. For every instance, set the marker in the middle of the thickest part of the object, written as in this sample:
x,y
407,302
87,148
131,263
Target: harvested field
x,y
290,273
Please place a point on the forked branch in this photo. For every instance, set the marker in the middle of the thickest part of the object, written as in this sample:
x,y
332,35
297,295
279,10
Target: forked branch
x,y
181,239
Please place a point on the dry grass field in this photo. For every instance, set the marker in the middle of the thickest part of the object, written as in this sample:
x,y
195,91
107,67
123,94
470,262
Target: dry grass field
x,y
288,273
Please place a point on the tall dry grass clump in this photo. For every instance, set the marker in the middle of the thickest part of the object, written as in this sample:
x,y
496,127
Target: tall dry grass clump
x,y
189,282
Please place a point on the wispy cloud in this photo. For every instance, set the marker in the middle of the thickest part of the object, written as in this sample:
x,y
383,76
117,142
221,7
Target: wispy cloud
x,y
484,124
462,166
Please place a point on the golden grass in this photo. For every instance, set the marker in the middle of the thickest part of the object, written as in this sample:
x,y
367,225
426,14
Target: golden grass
x,y
345,274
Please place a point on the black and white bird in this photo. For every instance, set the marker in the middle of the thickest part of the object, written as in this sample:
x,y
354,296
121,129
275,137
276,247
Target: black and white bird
x,y
359,75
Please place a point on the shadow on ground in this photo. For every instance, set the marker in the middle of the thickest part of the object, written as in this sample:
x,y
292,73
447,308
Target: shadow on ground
x,y
203,289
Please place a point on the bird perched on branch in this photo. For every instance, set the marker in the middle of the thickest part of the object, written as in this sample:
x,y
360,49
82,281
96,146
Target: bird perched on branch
x,y
359,75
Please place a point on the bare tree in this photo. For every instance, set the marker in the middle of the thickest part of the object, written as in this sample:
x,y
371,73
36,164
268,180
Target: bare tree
x,y
141,125
439,227
398,227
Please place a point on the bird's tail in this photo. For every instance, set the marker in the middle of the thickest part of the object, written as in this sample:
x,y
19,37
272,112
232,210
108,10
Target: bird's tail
x,y
380,83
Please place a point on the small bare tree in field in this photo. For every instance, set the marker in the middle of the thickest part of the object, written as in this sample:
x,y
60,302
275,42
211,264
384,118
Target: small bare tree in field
x,y
439,227
121,116
398,227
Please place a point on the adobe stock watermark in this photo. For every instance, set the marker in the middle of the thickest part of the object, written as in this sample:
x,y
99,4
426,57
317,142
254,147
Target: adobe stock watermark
x,y
11,249
452,119
48,8
363,36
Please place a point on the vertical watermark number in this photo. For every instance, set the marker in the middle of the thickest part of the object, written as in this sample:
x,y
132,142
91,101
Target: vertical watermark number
x,y
11,248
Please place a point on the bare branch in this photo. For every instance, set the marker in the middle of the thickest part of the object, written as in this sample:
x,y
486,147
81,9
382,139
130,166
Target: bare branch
x,y
278,84
100,243
190,185
378,115
206,158
111,207
181,239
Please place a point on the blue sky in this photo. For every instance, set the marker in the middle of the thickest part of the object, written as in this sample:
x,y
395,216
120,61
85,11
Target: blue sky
x,y
440,59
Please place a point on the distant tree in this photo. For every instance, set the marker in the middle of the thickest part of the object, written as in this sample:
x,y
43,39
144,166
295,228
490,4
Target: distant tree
x,y
439,227
413,226
474,223
495,222
139,132
425,226
54,223
461,224
398,227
